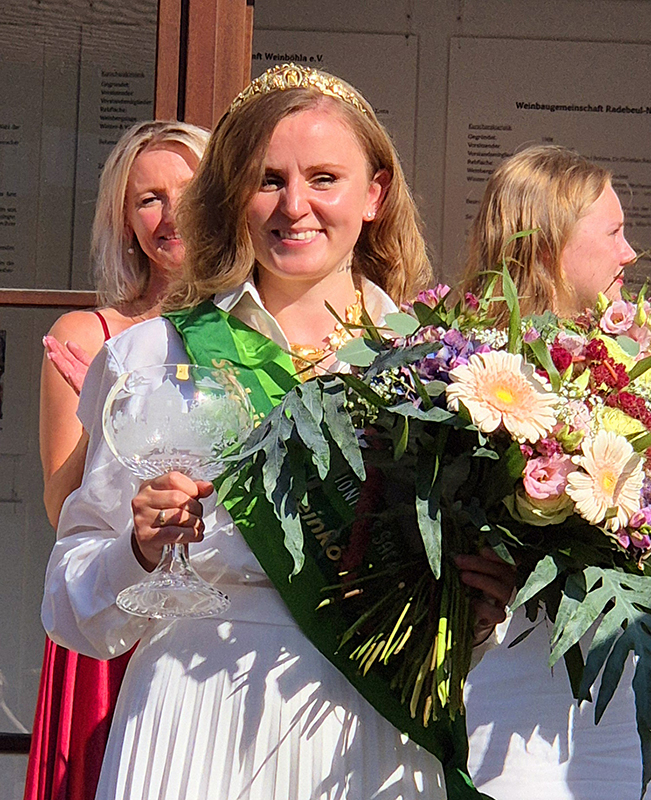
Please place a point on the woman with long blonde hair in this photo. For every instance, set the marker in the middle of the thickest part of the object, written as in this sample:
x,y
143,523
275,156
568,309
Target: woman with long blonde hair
x,y
136,251
527,737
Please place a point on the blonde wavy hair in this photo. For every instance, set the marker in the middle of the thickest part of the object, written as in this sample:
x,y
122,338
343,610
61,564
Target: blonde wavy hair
x,y
543,188
121,277
212,215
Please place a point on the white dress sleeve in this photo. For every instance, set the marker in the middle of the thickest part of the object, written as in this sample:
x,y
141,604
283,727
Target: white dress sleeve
x,y
92,560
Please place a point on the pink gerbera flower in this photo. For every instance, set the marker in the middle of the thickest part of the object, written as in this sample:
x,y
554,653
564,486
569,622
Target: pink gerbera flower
x,y
499,388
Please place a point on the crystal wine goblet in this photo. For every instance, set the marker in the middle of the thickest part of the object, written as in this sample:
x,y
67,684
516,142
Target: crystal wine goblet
x,y
184,418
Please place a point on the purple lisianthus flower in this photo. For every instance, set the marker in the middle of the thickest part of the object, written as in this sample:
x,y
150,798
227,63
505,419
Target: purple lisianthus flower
x,y
623,538
645,494
429,297
641,517
428,334
471,301
530,335
640,540
456,350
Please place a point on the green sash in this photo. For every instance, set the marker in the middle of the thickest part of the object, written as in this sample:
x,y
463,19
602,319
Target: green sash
x,y
212,337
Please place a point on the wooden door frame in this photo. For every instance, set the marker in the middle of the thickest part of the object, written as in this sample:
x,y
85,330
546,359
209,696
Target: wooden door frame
x,y
203,58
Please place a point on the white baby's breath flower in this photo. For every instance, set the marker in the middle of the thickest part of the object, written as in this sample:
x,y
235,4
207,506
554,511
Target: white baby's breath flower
x,y
494,337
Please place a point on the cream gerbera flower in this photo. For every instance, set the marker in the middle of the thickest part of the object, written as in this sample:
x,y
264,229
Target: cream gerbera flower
x,y
612,479
499,388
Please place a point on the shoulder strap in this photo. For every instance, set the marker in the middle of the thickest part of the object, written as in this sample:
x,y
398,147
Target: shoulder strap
x,y
104,324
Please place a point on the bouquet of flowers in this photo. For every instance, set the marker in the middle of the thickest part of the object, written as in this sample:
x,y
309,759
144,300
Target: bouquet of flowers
x,y
448,435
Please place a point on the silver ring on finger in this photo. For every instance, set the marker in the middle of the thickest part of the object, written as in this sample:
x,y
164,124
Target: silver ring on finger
x,y
160,518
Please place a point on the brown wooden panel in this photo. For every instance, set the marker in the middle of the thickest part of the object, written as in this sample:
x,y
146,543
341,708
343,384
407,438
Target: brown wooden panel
x,y
201,58
219,57
47,297
232,53
248,44
211,57
167,59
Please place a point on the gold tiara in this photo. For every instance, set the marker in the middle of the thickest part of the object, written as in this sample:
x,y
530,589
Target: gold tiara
x,y
292,76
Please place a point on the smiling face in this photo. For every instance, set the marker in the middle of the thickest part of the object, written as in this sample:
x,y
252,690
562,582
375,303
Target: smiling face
x,y
597,251
156,181
316,193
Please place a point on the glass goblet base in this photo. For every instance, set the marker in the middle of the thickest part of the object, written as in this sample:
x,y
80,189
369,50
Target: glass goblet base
x,y
173,591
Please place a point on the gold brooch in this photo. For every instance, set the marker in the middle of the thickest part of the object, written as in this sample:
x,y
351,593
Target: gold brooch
x,y
292,76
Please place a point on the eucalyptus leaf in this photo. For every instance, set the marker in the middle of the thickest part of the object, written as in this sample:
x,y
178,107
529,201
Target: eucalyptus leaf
x,y
401,323
360,352
432,415
435,388
485,452
629,346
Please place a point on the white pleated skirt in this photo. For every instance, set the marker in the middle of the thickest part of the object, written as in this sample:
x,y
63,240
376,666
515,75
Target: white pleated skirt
x,y
252,711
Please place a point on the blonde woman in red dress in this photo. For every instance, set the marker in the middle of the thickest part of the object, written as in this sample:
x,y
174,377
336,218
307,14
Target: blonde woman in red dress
x,y
136,251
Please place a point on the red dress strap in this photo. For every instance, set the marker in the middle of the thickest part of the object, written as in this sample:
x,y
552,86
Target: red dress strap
x,y
104,323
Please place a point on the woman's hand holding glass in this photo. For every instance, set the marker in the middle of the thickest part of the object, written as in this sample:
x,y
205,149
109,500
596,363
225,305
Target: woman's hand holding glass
x,y
167,510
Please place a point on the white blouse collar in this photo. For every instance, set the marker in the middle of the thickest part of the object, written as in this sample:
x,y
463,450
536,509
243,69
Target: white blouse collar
x,y
244,303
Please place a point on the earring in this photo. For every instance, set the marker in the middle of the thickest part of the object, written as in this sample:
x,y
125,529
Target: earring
x,y
130,251
369,216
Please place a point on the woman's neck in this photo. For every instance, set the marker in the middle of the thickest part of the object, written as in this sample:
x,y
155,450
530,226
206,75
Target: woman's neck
x,y
148,305
299,307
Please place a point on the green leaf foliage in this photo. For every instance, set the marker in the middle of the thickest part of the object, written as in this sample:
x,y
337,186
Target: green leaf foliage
x,y
401,323
428,509
640,368
513,304
617,604
342,431
360,352
430,316
544,573
628,345
541,353
309,431
435,414
397,357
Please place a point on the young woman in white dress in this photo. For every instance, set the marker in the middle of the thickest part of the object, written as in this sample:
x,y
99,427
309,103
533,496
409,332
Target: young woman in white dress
x,y
537,744
299,199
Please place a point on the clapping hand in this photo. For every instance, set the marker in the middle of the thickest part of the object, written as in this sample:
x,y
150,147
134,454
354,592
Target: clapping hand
x,y
71,361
